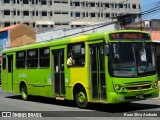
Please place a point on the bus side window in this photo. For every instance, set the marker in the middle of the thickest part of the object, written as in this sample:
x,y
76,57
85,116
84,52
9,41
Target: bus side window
x,y
44,57
20,59
77,52
3,61
32,58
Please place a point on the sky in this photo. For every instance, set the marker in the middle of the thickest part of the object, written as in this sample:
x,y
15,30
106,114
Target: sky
x,y
148,4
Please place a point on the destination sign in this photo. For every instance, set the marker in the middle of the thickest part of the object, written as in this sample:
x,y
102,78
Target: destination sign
x,y
129,36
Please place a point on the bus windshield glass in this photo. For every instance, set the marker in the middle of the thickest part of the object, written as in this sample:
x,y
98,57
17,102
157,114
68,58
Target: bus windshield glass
x,y
132,59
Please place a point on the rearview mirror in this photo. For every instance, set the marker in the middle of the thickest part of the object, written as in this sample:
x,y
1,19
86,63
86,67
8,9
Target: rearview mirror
x,y
106,49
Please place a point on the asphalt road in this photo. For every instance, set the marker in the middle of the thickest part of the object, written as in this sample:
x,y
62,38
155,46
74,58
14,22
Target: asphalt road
x,y
11,102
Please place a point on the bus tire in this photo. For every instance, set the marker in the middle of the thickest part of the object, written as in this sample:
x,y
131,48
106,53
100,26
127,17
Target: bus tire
x,y
81,98
24,92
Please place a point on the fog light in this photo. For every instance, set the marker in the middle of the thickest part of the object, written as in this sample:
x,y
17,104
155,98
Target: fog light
x,y
117,87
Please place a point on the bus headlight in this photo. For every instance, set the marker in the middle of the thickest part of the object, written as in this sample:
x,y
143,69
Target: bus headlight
x,y
119,88
155,84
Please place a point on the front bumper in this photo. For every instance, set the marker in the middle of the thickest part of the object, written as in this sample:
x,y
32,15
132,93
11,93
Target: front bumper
x,y
114,97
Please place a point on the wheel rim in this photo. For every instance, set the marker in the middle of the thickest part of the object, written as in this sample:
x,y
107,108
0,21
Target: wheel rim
x,y
81,97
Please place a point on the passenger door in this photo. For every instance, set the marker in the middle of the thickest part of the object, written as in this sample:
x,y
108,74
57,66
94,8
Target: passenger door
x,y
97,72
58,72
10,72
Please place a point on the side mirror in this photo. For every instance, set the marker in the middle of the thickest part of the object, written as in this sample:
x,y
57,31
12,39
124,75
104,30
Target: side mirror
x,y
106,49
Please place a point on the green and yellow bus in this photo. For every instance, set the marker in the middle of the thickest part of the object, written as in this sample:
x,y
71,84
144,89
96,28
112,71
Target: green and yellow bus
x,y
109,67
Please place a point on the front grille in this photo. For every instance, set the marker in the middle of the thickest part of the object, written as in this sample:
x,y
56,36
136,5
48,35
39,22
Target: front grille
x,y
138,85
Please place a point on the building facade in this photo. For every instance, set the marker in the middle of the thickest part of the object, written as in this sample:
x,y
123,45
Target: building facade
x,y
44,14
16,35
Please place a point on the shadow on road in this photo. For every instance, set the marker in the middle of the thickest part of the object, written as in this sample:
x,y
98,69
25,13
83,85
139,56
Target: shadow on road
x,y
116,108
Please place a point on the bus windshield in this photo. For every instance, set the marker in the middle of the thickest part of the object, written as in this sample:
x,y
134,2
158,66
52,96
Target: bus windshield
x,y
132,59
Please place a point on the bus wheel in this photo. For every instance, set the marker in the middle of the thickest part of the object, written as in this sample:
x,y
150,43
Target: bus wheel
x,y
24,92
81,99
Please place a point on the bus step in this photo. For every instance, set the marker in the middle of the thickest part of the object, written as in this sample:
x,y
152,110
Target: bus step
x,y
60,98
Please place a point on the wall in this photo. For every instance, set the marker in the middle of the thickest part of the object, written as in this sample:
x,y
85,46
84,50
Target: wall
x,y
22,35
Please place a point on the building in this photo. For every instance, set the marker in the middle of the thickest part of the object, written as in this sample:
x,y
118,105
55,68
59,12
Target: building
x,y
44,14
16,35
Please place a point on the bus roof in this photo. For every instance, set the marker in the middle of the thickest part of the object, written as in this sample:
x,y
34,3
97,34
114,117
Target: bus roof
x,y
63,41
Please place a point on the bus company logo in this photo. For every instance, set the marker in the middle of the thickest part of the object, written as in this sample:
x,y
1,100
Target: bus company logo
x,y
139,88
6,114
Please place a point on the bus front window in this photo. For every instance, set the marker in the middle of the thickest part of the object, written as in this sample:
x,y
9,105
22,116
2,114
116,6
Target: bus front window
x,y
145,58
123,60
132,59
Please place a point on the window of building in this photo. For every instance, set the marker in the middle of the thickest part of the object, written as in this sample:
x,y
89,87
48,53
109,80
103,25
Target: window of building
x,y
139,6
51,13
6,12
14,12
44,13
17,1
65,23
25,1
56,1
112,5
129,6
27,23
83,4
20,59
32,58
93,15
57,12
134,6
57,23
34,25
101,4
43,2
26,13
77,14
33,2
44,57
36,2
50,2
71,14
98,4
6,24
64,12
18,12
107,15
116,6
6,1
44,26
78,54
64,1
14,1
102,15
120,5
33,13
77,3
107,5
36,13
99,15
86,3
92,4
86,14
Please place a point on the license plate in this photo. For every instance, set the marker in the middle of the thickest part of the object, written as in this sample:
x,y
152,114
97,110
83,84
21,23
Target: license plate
x,y
139,96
